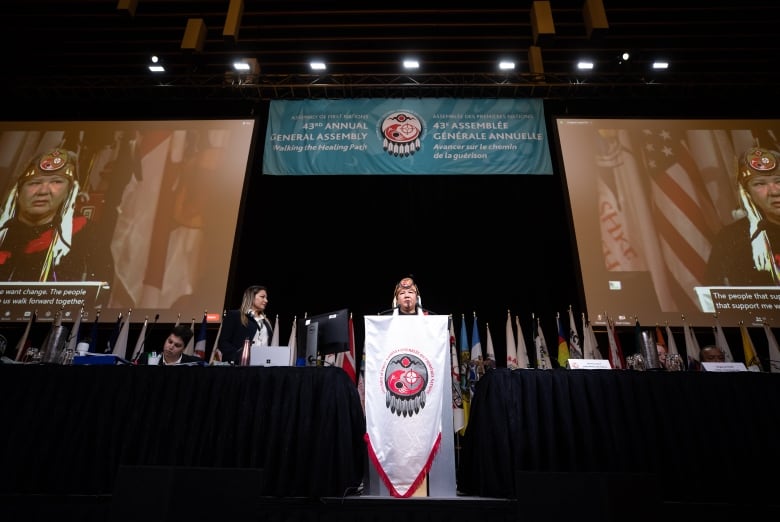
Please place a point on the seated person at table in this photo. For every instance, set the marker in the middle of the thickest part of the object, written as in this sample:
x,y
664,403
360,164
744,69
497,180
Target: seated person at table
x,y
712,353
173,348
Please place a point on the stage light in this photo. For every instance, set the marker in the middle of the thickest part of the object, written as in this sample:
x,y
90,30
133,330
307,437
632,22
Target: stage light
x,y
155,65
411,64
247,65
506,65
660,65
317,66
584,65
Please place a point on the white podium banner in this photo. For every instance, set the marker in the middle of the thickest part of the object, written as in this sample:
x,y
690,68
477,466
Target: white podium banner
x,y
406,359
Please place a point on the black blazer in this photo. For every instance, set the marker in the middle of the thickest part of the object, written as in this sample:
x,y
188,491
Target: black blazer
x,y
231,339
185,358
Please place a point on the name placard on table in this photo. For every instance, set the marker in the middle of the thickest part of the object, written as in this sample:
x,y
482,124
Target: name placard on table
x,y
724,367
588,364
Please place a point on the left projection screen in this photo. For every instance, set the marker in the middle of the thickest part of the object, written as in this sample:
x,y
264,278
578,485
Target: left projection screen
x,y
115,216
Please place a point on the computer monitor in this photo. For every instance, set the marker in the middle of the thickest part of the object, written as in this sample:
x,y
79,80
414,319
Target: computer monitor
x,y
323,334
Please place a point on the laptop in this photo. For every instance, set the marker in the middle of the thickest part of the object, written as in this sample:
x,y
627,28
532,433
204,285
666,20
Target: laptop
x,y
269,356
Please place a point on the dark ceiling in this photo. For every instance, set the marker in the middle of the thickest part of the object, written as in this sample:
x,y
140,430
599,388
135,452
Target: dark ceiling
x,y
91,49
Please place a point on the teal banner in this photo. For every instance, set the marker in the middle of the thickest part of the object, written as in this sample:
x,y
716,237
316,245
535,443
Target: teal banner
x,y
400,136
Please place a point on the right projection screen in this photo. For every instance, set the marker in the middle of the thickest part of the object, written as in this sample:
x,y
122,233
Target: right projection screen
x,y
652,202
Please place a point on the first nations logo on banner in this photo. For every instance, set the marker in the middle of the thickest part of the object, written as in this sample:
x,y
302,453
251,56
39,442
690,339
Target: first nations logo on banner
x,y
407,379
401,133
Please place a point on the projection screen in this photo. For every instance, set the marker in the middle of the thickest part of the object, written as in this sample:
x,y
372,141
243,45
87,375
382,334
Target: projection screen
x,y
650,204
149,217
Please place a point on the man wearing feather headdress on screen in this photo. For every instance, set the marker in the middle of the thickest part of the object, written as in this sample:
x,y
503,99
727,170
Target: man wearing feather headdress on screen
x,y
747,251
41,238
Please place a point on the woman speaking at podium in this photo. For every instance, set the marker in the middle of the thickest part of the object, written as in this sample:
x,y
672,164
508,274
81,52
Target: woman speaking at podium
x,y
406,299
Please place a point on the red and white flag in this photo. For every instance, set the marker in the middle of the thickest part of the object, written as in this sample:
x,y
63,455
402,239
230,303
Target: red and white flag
x,y
511,347
346,360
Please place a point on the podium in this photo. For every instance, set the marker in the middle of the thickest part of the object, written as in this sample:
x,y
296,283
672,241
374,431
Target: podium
x,y
424,338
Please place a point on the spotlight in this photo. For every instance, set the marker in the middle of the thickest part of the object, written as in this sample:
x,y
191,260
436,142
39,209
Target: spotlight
x,y
155,65
247,65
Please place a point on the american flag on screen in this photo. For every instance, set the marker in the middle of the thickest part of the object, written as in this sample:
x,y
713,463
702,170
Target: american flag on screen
x,y
685,218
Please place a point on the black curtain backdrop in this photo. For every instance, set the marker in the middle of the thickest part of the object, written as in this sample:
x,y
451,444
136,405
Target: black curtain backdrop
x,y
67,430
705,437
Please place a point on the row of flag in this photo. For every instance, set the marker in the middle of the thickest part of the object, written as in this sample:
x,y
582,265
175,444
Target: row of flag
x,y
471,361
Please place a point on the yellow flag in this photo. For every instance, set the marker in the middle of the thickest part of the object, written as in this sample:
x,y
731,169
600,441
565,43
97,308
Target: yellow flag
x,y
751,359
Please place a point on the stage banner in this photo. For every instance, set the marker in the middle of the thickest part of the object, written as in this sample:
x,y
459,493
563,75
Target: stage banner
x,y
406,360
406,136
